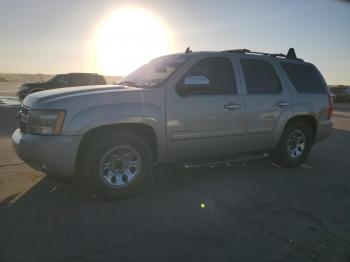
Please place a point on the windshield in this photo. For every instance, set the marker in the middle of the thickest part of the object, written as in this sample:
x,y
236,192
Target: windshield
x,y
54,78
154,72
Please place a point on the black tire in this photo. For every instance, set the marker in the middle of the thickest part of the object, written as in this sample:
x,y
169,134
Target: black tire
x,y
89,175
281,154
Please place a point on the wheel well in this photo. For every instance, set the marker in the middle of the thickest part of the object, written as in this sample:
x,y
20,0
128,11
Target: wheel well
x,y
309,120
144,130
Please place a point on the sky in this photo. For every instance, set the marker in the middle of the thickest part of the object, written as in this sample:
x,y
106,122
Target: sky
x,y
43,36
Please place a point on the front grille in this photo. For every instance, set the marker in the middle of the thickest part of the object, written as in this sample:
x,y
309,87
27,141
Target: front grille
x,y
23,117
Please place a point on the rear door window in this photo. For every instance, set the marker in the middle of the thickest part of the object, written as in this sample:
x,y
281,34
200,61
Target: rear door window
x,y
79,80
305,78
90,80
99,80
260,77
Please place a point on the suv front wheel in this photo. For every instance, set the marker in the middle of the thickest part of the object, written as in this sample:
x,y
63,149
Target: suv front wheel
x,y
116,165
294,145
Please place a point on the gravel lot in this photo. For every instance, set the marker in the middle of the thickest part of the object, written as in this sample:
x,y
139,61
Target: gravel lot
x,y
252,211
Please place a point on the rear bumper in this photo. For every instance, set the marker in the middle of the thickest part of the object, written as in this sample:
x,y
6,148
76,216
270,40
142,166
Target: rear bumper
x,y
54,155
323,130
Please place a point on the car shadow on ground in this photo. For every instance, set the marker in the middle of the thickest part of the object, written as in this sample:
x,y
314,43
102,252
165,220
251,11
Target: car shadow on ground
x,y
171,180
244,206
207,214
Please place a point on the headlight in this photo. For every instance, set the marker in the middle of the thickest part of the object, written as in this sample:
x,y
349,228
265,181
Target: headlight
x,y
46,122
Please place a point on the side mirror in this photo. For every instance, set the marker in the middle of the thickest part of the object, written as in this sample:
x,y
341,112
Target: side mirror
x,y
196,81
192,84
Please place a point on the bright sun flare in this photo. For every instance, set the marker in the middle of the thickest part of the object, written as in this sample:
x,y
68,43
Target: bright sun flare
x,y
129,38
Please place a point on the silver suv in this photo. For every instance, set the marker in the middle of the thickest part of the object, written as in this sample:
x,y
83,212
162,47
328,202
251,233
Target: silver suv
x,y
194,108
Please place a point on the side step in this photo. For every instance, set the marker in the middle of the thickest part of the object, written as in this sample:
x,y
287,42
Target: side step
x,y
223,162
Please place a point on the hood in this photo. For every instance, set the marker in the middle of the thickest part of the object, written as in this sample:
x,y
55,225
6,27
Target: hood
x,y
63,97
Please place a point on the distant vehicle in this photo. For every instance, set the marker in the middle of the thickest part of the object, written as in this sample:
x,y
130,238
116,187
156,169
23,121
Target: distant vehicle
x,y
62,80
340,93
340,89
332,95
196,109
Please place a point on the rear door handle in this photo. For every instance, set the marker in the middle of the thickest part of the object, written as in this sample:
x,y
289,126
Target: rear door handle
x,y
282,104
232,106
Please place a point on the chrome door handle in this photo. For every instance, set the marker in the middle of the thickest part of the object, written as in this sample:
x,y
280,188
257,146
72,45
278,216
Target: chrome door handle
x,y
282,104
232,106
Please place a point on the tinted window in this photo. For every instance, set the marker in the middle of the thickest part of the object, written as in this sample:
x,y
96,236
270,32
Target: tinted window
x,y
220,74
89,80
99,80
75,80
80,79
305,78
260,77
60,80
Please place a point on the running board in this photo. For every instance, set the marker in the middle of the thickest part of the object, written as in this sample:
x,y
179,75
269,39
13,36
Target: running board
x,y
213,164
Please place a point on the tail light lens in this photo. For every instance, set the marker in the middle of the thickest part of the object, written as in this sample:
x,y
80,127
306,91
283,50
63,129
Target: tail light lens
x,y
330,106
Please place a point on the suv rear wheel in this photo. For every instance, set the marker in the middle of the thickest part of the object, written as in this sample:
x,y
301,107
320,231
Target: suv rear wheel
x,y
294,145
116,165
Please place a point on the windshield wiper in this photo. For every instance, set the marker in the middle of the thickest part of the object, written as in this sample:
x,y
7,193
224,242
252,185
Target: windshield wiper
x,y
152,82
128,83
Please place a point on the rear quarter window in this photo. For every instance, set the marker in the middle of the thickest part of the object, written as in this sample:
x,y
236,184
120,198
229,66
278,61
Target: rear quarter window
x,y
305,78
99,80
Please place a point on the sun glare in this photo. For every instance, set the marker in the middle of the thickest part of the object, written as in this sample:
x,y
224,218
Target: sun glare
x,y
129,38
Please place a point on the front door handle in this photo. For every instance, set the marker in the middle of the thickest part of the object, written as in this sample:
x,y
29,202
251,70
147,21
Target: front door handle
x,y
232,106
282,104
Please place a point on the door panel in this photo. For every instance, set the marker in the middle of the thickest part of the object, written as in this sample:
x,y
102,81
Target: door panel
x,y
201,126
262,113
204,125
266,99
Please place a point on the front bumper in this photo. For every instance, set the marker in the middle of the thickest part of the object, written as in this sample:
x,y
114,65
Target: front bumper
x,y
54,155
324,128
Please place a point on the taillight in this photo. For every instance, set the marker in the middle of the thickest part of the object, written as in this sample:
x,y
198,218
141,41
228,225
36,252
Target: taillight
x,y
330,106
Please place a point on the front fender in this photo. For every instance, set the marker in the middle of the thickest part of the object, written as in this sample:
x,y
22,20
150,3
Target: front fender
x,y
94,117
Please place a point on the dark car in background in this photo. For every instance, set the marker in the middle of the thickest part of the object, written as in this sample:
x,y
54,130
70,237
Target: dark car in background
x,y
62,80
341,93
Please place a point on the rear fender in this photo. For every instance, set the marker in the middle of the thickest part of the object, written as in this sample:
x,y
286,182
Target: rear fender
x,y
292,112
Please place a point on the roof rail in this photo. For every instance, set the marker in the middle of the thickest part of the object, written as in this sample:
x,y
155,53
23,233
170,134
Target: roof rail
x,y
237,51
291,53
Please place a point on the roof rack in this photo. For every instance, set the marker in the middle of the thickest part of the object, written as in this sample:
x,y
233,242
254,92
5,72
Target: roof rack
x,y
290,55
188,50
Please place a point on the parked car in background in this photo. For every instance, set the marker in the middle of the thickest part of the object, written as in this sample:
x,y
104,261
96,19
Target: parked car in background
x,y
200,108
341,93
332,95
62,80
